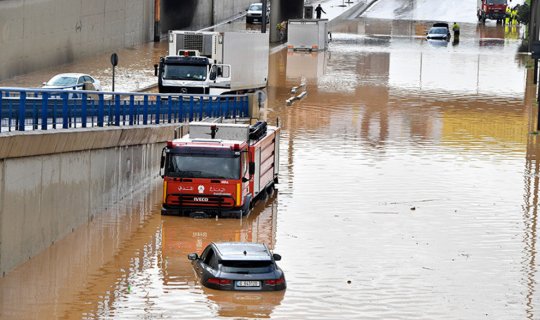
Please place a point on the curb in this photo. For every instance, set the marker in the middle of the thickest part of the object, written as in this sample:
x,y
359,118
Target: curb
x,y
355,11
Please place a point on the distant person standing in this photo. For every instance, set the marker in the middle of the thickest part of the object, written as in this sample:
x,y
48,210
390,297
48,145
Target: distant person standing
x,y
319,9
455,28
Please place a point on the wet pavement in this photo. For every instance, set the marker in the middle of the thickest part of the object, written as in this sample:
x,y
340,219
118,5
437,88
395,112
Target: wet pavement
x,y
408,190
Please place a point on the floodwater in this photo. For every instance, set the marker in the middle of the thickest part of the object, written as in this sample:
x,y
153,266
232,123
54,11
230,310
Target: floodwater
x,y
408,190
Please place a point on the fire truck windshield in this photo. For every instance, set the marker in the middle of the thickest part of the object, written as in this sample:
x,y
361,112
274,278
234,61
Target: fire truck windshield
x,y
203,166
496,1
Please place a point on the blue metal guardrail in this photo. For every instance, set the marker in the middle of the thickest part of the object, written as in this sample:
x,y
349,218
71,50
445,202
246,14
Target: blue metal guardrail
x,y
44,109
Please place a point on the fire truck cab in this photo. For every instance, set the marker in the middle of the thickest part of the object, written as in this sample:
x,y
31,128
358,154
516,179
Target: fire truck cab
x,y
491,9
219,169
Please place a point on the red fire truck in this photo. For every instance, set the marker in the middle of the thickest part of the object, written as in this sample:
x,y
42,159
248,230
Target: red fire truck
x,y
491,9
219,169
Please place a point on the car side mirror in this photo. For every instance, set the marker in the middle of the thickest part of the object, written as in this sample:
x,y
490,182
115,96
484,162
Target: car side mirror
x,y
276,256
193,256
44,83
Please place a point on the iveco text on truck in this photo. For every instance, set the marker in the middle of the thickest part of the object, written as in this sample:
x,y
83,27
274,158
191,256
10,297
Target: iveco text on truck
x,y
214,63
219,169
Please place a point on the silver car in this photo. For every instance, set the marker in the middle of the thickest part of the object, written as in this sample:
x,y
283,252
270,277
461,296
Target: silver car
x,y
73,81
254,13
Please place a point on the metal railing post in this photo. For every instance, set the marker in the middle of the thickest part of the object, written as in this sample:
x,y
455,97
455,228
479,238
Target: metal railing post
x,y
145,110
131,110
101,110
201,105
44,105
169,111
191,106
181,109
117,110
65,110
1,98
83,110
22,107
158,108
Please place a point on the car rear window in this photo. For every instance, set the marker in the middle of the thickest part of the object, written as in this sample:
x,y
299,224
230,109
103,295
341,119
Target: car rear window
x,y
247,267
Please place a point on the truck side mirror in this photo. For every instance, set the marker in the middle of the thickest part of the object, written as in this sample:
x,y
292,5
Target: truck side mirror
x,y
251,168
155,69
162,163
213,74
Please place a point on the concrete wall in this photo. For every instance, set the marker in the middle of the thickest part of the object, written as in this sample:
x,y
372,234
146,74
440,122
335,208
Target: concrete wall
x,y
39,33
197,14
52,183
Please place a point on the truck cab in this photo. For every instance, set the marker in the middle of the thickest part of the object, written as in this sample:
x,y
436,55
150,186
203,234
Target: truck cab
x,y
214,63
218,169
491,9
190,74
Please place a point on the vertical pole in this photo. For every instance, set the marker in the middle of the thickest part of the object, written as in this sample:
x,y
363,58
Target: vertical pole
x,y
117,109
264,17
145,110
201,105
83,110
44,103
169,110
158,107
64,110
113,78
101,107
0,111
22,108
131,110
191,108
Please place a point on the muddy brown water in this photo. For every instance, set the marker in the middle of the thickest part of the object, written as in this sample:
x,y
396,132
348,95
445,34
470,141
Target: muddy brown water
x,y
408,190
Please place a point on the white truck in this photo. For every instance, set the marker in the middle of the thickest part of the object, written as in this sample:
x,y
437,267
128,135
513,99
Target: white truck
x,y
214,63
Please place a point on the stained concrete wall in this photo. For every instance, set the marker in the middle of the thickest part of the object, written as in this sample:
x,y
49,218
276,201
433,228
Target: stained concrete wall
x,y
197,14
39,33
52,183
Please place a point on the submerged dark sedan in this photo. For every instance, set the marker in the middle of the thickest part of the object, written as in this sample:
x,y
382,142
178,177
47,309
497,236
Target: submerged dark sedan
x,y
239,266
439,31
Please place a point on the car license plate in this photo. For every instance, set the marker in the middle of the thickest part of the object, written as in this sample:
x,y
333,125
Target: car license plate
x,y
248,283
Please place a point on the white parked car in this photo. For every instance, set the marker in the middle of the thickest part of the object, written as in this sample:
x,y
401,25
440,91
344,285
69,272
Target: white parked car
x,y
73,81
254,13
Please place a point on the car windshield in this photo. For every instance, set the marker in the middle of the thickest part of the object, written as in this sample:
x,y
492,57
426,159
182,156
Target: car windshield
x,y
255,7
247,267
438,31
63,81
195,166
184,72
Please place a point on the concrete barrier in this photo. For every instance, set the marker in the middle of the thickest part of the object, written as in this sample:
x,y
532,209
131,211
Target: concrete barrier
x,y
53,182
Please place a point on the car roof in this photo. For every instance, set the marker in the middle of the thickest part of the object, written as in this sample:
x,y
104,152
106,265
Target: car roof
x,y
441,24
70,75
235,251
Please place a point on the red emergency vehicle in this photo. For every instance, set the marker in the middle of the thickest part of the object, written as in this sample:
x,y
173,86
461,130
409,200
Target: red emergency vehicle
x,y
491,9
219,169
